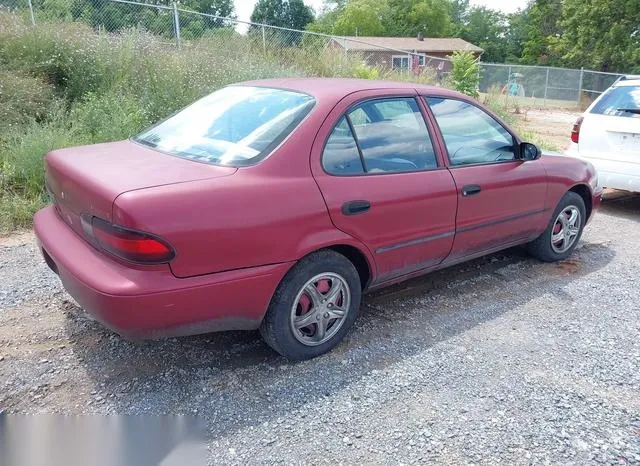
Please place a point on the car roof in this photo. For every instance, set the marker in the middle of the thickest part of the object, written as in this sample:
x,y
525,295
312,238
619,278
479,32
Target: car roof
x,y
336,88
627,82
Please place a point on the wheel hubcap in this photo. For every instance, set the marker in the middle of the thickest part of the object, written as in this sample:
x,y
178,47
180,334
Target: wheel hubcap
x,y
320,308
566,229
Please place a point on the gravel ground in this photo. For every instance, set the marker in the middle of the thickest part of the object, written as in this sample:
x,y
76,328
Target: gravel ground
x,y
501,360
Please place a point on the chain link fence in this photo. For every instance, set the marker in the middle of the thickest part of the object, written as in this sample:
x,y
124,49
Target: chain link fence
x,y
545,86
303,52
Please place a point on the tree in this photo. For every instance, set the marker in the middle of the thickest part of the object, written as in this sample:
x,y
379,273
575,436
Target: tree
x,y
342,17
486,28
213,7
292,14
600,34
326,22
115,16
516,35
332,5
542,26
459,12
409,17
299,14
360,17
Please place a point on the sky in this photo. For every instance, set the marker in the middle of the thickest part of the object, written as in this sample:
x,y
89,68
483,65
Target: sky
x,y
245,7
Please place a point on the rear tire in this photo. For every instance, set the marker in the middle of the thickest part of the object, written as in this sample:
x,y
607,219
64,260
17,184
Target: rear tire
x,y
313,307
563,232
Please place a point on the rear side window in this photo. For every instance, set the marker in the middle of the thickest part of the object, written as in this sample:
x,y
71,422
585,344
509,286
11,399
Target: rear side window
x,y
236,125
389,136
619,101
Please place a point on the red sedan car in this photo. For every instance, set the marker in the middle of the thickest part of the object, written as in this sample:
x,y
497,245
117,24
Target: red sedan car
x,y
274,204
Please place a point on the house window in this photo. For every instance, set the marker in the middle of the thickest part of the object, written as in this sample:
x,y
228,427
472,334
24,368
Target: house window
x,y
407,62
400,62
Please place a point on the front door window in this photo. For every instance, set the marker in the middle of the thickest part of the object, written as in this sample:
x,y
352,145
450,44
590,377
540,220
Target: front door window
x,y
471,135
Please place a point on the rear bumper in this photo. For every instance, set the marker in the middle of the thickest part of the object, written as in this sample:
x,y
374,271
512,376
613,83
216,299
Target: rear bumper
x,y
621,181
151,302
612,174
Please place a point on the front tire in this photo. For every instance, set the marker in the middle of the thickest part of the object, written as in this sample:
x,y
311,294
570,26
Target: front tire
x,y
313,307
563,232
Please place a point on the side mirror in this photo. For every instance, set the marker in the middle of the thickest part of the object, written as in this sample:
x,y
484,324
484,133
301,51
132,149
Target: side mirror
x,y
529,151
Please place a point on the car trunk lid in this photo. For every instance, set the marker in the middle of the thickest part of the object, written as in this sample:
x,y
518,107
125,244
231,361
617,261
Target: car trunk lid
x,y
612,137
86,180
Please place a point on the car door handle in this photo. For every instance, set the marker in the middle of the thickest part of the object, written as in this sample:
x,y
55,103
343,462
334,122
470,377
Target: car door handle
x,y
355,207
471,189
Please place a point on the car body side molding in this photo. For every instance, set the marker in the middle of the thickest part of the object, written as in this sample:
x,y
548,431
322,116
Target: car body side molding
x,y
413,242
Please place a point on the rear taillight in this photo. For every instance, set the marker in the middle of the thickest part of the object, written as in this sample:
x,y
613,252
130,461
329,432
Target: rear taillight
x,y
130,245
575,132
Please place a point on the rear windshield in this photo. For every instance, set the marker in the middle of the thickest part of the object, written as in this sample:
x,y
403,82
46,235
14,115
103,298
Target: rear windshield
x,y
235,126
619,101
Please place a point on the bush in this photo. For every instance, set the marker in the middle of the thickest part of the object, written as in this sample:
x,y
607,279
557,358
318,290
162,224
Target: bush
x,y
64,57
22,170
16,210
365,72
465,75
21,154
22,99
108,117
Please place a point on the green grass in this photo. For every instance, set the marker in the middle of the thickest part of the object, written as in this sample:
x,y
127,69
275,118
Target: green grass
x,y
63,84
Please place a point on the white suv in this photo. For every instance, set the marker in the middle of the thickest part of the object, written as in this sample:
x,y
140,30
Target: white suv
x,y
608,136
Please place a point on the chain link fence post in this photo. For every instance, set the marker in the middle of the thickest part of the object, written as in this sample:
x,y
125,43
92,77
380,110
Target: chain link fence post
x,y
264,40
176,24
478,75
33,17
580,86
343,55
546,86
506,94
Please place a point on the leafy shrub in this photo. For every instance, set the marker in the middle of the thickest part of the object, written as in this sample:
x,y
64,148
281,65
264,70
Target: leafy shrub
x,y
365,72
465,75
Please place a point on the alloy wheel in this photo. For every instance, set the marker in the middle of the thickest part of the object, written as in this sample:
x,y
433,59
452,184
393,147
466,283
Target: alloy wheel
x,y
320,309
566,229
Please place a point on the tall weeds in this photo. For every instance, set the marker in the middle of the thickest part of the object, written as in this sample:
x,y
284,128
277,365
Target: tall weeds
x,y
63,84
